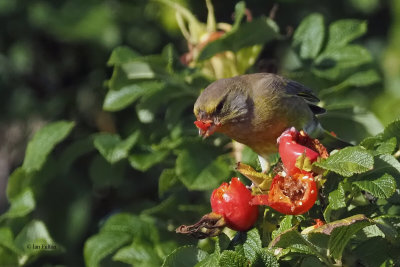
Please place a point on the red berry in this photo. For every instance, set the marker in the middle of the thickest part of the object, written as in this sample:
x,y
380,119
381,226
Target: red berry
x,y
318,223
202,125
290,150
232,201
294,194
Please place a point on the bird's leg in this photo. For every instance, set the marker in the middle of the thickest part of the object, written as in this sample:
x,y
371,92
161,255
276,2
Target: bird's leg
x,y
237,149
264,164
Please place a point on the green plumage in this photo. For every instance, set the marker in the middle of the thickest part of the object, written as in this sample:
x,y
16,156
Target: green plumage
x,y
255,109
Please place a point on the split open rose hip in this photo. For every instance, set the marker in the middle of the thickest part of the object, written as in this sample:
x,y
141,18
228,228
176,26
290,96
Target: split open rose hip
x,y
294,194
293,144
295,191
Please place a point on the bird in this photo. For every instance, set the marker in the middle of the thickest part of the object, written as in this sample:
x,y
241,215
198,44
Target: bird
x,y
255,109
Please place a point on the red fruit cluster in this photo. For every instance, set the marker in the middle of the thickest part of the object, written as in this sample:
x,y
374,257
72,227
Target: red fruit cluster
x,y
232,201
294,191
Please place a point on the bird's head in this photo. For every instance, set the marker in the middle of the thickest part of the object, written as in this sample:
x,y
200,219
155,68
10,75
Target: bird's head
x,y
222,104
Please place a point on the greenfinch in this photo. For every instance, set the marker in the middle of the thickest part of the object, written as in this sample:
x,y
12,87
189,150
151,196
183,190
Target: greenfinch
x,y
255,109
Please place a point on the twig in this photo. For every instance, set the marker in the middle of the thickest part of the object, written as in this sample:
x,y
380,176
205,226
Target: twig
x,y
272,13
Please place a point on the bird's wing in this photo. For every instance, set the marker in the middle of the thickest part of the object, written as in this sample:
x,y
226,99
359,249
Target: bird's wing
x,y
295,88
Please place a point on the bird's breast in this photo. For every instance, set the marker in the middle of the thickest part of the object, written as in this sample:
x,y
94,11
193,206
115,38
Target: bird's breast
x,y
260,137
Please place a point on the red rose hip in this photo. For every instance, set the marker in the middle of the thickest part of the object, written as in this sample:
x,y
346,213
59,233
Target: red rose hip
x,y
290,149
293,195
232,201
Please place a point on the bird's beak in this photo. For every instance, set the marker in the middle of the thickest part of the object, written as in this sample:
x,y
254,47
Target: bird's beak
x,y
206,127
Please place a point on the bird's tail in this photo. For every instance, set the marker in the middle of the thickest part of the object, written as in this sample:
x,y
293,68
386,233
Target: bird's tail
x,y
331,142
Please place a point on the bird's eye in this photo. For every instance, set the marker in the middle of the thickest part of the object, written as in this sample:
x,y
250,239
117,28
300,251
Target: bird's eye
x,y
220,106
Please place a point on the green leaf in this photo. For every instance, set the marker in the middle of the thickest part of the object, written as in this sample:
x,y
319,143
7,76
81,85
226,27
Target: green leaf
x,y
122,222
382,187
148,67
258,31
341,236
7,240
337,198
265,258
222,243
249,244
21,205
99,246
291,239
359,79
104,174
138,254
249,157
344,31
311,262
184,256
332,64
197,170
392,130
371,142
75,150
118,79
164,208
142,227
8,258
387,147
373,252
348,161
341,232
309,36
363,78
43,143
116,100
146,160
372,231
355,124
384,164
18,181
247,57
35,239
168,179
317,239
138,70
391,161
122,55
389,225
260,180
230,258
285,224
112,148
211,260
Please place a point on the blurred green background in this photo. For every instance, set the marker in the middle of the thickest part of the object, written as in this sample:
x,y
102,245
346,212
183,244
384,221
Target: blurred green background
x,y
53,57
